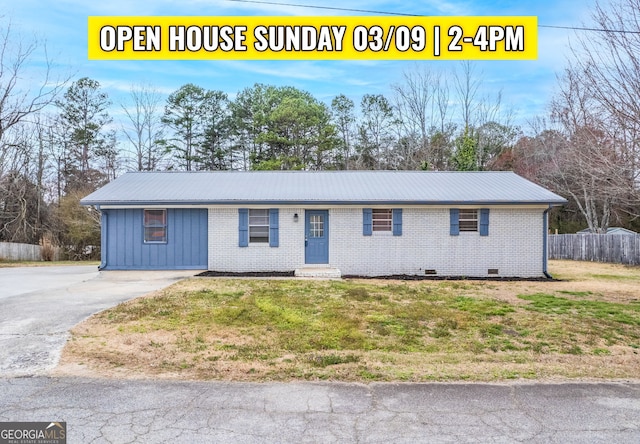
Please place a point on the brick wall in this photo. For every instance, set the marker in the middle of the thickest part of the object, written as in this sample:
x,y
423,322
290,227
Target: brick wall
x,y
514,245
226,255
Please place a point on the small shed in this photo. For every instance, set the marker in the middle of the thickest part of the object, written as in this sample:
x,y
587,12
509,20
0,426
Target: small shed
x,y
611,230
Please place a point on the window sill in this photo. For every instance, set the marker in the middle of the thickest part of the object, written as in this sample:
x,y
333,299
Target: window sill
x,y
382,233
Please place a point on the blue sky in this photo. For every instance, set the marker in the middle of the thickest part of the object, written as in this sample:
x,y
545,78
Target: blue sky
x,y
526,86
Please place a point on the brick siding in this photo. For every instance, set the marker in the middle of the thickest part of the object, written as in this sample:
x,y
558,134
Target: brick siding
x,y
514,245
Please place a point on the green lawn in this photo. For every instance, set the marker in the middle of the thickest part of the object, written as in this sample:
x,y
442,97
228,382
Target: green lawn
x,y
366,330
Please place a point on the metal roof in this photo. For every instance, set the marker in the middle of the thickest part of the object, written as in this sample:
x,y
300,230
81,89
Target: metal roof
x,y
611,230
321,187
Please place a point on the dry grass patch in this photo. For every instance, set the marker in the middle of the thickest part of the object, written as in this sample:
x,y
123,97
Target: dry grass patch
x,y
607,282
372,330
7,263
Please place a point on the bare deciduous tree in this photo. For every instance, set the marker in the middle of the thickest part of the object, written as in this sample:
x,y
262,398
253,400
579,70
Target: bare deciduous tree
x,y
145,130
587,166
24,92
18,97
467,84
607,66
421,102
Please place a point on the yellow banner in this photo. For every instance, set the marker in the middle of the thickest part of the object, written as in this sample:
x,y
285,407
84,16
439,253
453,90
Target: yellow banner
x,y
312,38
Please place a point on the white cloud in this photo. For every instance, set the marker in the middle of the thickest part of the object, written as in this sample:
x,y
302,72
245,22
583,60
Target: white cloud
x,y
313,71
64,27
125,86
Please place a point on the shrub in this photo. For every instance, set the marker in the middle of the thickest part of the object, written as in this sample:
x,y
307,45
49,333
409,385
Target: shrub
x,y
47,249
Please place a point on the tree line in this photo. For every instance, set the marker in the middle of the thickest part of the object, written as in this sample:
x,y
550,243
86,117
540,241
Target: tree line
x,y
273,128
58,143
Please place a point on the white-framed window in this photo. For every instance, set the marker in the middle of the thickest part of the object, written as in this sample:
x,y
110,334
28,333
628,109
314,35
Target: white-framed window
x,y
382,219
316,225
468,220
155,226
259,226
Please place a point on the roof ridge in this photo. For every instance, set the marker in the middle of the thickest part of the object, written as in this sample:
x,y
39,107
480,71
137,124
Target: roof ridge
x,y
327,187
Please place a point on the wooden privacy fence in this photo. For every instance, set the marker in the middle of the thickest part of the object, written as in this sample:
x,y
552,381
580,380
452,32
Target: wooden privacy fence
x,y
21,252
615,248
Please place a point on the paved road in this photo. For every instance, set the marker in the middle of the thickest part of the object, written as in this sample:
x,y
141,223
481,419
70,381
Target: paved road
x,y
38,306
116,411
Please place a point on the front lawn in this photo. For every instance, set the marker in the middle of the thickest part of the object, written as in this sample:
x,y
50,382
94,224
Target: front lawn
x,y
585,326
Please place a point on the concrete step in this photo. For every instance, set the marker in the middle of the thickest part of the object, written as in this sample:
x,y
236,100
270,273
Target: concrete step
x,y
318,272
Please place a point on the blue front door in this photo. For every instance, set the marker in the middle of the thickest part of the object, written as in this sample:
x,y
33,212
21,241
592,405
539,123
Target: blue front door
x,y
316,237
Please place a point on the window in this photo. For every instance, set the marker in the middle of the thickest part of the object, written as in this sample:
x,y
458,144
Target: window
x,y
259,226
468,220
155,226
382,220
316,225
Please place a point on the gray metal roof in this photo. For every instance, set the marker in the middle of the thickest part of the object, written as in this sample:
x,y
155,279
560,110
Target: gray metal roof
x,y
321,187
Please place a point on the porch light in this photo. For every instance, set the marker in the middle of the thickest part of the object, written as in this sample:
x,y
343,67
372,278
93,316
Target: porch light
x,y
295,217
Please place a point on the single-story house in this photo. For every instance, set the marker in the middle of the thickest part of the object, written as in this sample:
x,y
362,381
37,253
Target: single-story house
x,y
366,223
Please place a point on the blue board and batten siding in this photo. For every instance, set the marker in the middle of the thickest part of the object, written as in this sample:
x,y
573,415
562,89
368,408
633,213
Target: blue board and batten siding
x,y
123,236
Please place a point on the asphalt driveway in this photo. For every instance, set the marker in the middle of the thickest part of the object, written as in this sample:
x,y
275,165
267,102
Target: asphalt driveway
x,y
40,304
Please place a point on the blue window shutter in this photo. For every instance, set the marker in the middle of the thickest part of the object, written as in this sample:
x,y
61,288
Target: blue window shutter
x,y
484,222
273,227
397,221
243,227
367,221
454,220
